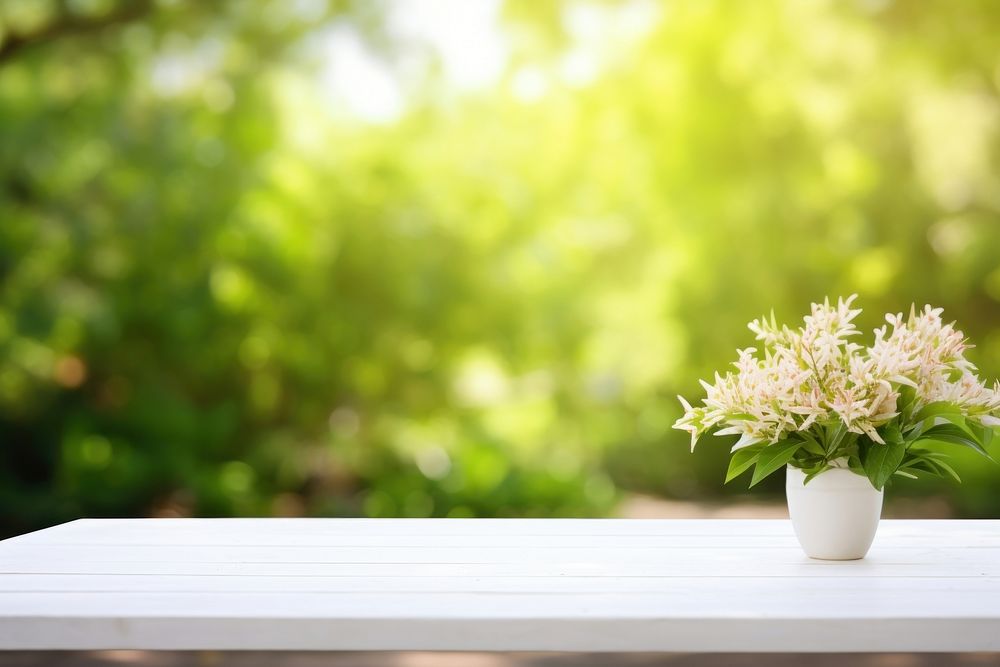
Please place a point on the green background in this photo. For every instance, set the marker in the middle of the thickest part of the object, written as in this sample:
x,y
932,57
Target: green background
x,y
226,290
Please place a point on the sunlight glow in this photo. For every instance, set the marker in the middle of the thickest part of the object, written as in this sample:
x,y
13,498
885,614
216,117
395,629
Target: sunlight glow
x,y
462,37
358,81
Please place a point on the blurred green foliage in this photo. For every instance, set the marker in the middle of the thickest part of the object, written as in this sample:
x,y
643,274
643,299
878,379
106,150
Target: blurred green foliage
x,y
224,290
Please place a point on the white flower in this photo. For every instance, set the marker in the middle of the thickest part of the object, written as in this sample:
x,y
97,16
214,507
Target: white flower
x,y
816,375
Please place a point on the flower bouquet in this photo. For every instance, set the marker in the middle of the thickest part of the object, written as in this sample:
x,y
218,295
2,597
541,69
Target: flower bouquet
x,y
845,418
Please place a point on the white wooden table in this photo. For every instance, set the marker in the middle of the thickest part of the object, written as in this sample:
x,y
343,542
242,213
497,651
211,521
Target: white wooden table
x,y
568,585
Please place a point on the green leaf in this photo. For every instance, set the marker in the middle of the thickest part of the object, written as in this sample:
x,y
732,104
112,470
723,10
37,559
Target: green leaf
x,y
922,465
773,457
834,434
950,434
928,461
926,454
960,423
949,430
984,434
882,460
944,440
912,430
938,463
937,408
742,459
906,396
813,473
811,444
989,432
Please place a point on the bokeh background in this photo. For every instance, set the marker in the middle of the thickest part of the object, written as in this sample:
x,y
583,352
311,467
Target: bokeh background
x,y
456,258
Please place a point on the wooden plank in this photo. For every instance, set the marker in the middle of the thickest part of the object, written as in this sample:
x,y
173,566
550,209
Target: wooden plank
x,y
138,531
500,542
495,585
768,635
27,583
460,555
788,563
687,599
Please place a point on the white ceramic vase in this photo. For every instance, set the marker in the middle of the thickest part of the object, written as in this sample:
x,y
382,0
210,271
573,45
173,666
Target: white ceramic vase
x,y
835,515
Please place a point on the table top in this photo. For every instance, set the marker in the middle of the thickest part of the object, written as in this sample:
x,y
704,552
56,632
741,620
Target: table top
x,y
495,584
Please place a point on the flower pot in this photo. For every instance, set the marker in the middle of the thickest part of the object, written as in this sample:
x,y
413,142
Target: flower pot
x,y
835,515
